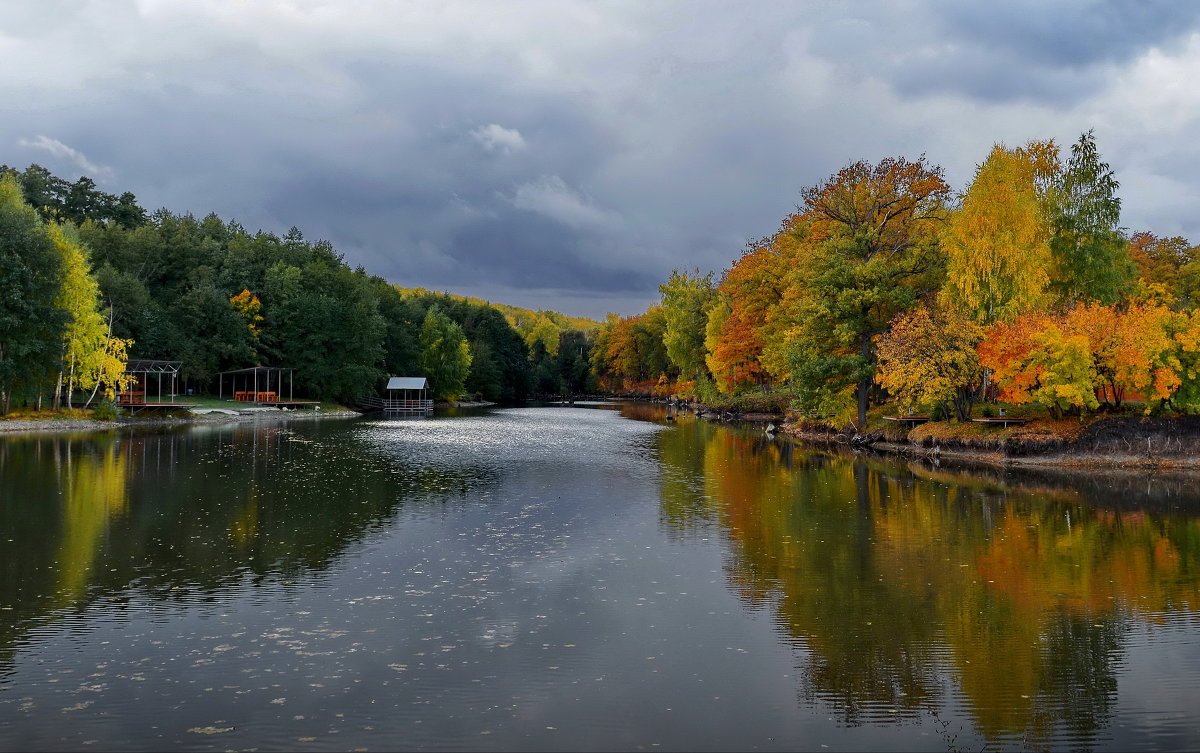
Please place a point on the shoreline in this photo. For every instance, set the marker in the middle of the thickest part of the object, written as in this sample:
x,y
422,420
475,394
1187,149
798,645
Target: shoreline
x,y
203,417
76,425
1069,456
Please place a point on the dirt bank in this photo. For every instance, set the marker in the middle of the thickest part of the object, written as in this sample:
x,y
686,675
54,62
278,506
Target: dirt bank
x,y
1127,442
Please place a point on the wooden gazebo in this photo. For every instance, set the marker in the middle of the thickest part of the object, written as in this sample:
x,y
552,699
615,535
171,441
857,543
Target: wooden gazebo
x,y
144,379
269,386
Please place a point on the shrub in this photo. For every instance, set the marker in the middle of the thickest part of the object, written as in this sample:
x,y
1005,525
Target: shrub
x,y
106,410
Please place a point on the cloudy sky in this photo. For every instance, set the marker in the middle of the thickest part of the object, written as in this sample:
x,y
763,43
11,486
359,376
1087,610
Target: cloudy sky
x,y
568,155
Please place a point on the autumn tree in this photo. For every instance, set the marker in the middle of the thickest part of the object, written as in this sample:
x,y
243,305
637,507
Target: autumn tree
x,y
746,333
1091,256
634,349
248,307
1036,359
997,242
1070,361
545,332
1164,267
91,356
870,237
928,356
1184,359
686,297
600,359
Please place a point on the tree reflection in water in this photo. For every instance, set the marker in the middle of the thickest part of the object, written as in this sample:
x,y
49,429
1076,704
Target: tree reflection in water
x,y
99,514
908,588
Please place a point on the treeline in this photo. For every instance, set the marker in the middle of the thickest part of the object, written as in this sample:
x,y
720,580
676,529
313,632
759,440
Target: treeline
x,y
211,294
886,285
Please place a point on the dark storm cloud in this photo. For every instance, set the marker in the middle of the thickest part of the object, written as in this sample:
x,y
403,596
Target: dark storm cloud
x,y
1070,34
517,250
1052,52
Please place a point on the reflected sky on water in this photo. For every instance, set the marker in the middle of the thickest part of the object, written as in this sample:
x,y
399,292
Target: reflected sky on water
x,y
580,578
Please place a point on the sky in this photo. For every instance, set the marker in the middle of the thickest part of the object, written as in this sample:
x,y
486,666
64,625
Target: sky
x,y
568,155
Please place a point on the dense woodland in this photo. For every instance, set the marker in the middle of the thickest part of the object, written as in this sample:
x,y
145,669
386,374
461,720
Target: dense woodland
x,y
91,279
888,287
885,286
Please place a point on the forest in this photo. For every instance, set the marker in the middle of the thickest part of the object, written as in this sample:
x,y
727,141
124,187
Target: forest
x,y
885,288
888,288
92,279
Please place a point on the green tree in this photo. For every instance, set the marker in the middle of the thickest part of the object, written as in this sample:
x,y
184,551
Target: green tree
x,y
574,352
31,326
870,252
445,355
686,297
1091,255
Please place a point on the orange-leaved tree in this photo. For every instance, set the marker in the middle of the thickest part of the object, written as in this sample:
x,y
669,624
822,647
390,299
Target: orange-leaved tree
x,y
1033,359
1067,361
741,335
1131,350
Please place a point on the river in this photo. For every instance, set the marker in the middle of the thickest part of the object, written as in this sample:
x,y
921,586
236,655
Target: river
x,y
584,578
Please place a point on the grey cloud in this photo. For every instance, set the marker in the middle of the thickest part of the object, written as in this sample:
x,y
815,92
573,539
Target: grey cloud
x,y
67,154
496,138
1030,50
558,170
1071,34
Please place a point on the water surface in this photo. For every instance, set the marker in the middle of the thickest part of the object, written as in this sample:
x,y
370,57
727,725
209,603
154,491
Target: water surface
x,y
580,578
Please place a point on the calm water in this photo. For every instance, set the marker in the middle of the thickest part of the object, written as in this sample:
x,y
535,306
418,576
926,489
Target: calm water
x,y
580,578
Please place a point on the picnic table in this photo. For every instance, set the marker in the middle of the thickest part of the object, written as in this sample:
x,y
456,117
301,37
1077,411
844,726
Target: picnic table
x,y
250,396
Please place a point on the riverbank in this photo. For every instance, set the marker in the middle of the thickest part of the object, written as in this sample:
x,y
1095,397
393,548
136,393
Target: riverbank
x,y
37,425
1108,442
223,414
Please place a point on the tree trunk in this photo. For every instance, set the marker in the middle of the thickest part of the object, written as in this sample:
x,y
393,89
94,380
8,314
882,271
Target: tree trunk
x,y
864,386
71,384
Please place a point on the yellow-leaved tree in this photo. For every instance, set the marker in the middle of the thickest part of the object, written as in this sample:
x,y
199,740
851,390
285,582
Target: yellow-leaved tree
x,y
997,243
546,332
91,357
928,357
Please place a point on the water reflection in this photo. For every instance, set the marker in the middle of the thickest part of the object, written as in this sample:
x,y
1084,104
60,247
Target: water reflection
x,y
177,513
564,578
909,590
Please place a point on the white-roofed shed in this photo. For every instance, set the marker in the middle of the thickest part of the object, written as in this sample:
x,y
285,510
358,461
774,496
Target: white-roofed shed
x,y
408,383
407,395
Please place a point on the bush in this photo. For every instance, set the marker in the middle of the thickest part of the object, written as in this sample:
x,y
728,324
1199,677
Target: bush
x,y
106,410
987,412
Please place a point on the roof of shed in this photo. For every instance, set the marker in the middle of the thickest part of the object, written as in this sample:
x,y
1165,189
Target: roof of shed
x,y
408,383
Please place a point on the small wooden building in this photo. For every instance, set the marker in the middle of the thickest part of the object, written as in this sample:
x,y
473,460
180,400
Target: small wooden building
x,y
408,395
